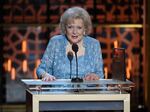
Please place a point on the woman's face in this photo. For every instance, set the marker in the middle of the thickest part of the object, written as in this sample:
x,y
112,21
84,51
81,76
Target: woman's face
x,y
75,30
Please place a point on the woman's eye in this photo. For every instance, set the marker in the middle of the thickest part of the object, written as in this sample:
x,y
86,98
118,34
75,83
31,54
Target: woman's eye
x,y
69,27
74,27
79,27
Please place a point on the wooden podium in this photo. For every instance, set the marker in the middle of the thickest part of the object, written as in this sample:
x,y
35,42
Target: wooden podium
x,y
105,94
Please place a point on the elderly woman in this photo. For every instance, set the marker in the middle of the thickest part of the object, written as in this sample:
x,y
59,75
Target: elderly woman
x,y
75,25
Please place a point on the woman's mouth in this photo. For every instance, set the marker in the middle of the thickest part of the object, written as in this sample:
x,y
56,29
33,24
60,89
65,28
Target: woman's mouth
x,y
74,37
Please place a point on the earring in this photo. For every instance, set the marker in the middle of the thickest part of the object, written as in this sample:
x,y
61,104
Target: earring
x,y
84,33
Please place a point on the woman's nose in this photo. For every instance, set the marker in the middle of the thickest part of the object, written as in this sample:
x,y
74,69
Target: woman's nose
x,y
74,30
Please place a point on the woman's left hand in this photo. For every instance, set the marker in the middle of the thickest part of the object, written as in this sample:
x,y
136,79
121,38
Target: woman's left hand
x,y
91,76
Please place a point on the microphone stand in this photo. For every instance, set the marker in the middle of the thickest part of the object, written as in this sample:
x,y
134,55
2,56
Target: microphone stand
x,y
76,79
70,57
70,69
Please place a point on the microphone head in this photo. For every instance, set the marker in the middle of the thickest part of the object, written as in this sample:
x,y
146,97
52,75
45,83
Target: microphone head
x,y
70,56
75,48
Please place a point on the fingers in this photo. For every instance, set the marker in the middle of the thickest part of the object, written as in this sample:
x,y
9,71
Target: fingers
x,y
48,78
91,77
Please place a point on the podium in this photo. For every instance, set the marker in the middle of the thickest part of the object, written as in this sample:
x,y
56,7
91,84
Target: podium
x,y
62,94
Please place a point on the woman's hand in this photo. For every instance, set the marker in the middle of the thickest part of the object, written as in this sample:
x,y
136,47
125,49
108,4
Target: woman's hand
x,y
91,76
48,77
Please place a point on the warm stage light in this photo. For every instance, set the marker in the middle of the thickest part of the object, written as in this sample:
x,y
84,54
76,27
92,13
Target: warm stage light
x,y
128,69
24,66
24,46
115,44
13,74
9,65
128,73
106,72
34,74
129,63
38,62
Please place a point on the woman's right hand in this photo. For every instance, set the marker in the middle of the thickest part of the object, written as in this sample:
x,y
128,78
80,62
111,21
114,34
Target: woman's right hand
x,y
48,77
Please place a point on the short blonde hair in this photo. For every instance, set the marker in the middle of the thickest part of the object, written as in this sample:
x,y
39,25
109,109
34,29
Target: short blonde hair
x,y
76,13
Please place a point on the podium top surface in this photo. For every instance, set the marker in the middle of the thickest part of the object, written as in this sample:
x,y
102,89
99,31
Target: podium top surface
x,y
32,82
65,85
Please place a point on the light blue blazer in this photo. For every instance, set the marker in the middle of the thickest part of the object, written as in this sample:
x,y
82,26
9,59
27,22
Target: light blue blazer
x,y
56,62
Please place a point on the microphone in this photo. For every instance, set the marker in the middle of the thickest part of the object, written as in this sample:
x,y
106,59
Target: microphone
x,y
70,57
75,48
